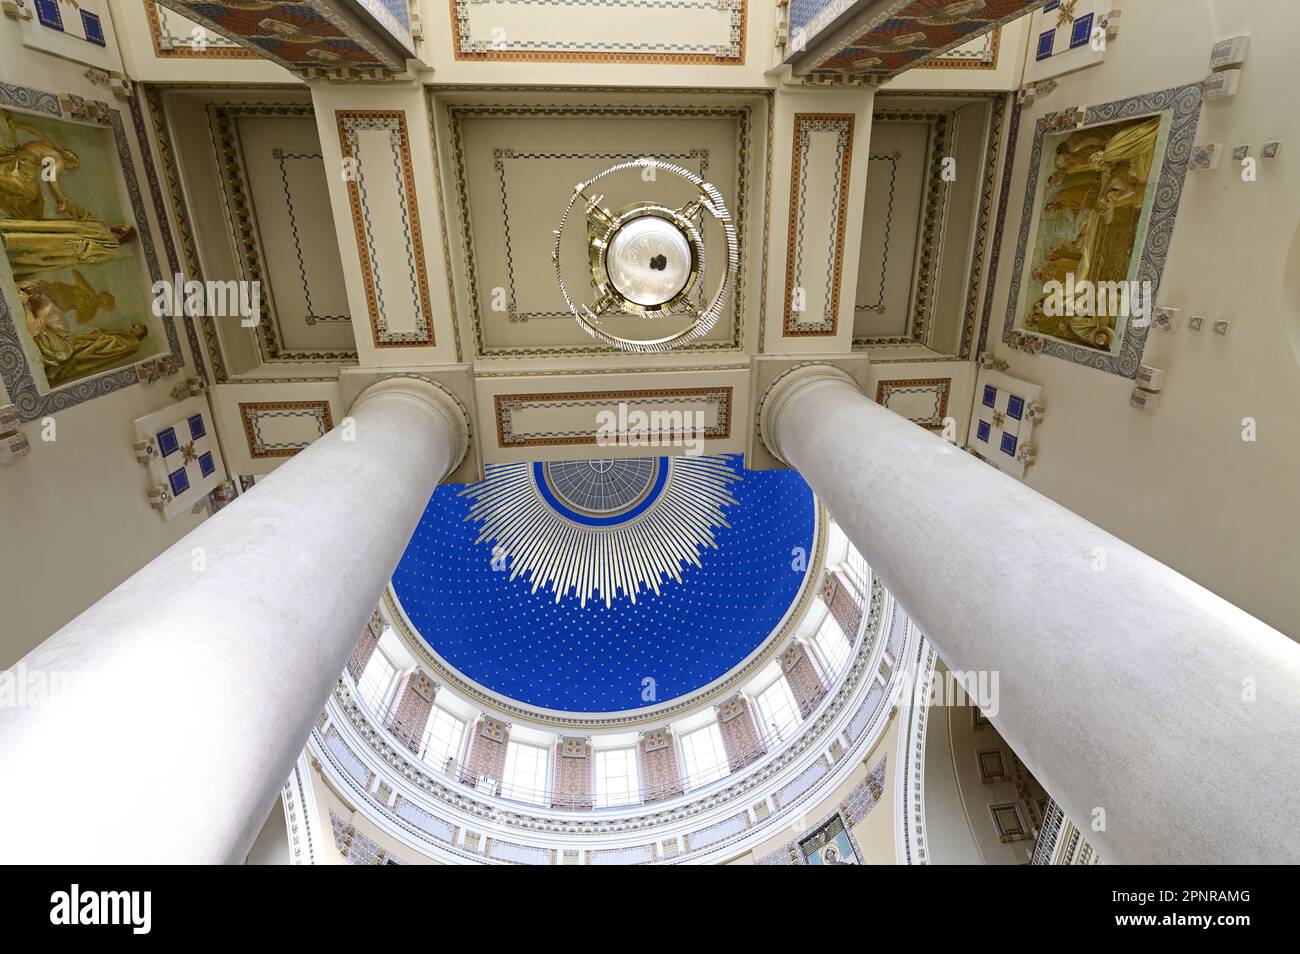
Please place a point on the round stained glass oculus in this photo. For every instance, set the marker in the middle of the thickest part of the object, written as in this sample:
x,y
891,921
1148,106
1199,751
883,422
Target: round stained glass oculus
x,y
601,487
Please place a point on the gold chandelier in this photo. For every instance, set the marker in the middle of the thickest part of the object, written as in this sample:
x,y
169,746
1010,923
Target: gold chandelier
x,y
647,260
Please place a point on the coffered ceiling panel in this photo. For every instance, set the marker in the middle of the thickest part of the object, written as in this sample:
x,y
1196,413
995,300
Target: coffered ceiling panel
x,y
515,168
896,193
280,217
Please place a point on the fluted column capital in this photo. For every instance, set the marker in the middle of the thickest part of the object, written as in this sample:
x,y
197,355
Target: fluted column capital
x,y
780,392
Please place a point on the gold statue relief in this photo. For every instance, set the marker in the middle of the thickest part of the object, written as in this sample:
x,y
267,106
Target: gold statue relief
x,y
1092,205
66,261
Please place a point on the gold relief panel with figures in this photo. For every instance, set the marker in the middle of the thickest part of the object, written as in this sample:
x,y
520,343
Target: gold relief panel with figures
x,y
78,264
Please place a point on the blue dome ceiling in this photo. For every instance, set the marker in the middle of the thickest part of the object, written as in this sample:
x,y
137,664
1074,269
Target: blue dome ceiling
x,y
606,586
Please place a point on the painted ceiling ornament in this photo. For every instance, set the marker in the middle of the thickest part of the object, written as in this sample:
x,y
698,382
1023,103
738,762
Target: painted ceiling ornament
x,y
602,527
647,260
1065,14
959,11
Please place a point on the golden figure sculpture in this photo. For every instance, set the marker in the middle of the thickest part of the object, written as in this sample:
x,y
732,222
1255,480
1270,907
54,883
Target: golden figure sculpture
x,y
32,242
35,246
79,298
67,356
96,349
21,168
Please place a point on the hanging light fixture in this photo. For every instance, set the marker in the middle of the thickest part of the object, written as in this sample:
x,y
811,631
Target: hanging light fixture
x,y
647,260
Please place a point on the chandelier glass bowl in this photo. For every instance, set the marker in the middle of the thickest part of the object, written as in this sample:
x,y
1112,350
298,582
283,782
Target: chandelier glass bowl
x,y
647,260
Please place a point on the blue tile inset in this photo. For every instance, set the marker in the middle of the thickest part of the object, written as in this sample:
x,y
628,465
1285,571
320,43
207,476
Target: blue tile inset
x,y
180,481
47,11
1081,32
1015,406
94,30
167,443
1051,5
990,395
196,426
1009,444
1045,43
982,432
206,466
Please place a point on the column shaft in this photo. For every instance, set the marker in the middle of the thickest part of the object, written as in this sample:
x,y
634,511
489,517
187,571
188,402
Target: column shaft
x,y
198,679
1123,685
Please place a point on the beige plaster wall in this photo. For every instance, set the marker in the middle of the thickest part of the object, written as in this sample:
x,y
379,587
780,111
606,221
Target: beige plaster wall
x,y
74,518
1180,483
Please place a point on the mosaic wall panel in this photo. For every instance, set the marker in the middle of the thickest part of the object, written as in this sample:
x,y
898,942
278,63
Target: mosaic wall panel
x,y
660,771
1061,37
365,645
410,713
1107,344
70,311
183,456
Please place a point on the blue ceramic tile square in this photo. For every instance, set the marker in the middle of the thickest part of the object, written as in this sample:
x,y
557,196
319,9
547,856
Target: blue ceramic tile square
x,y
1009,444
1081,32
1051,5
47,11
982,432
93,28
196,426
180,481
1015,406
206,466
990,395
1045,43
167,443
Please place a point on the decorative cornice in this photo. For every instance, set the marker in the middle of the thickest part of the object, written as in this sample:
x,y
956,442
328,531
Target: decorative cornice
x,y
349,718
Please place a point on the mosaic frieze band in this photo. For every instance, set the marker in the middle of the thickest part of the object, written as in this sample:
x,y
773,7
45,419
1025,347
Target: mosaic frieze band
x,y
714,400
683,32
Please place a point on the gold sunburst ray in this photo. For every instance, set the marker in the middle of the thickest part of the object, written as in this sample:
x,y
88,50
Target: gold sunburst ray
x,y
566,553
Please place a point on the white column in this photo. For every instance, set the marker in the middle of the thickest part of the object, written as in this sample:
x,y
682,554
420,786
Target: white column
x,y
1129,689
201,675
